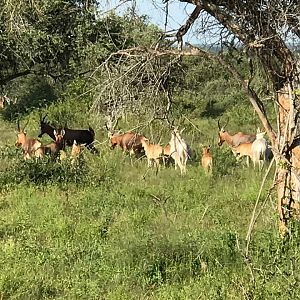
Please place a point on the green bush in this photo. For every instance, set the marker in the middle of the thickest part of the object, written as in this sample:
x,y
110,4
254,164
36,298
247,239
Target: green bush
x,y
224,162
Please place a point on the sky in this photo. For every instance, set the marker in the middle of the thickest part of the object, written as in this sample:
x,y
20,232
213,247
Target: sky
x,y
178,12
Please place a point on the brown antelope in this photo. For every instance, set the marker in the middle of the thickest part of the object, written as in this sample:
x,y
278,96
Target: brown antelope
x,y
233,140
55,148
179,150
153,151
243,149
2,102
207,160
167,150
29,146
75,152
129,142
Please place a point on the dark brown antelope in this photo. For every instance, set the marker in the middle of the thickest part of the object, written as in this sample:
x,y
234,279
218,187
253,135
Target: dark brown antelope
x,y
82,136
31,147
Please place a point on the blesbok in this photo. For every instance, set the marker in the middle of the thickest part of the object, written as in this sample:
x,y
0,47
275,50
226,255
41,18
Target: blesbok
x,y
54,148
233,140
179,150
153,152
75,152
31,147
243,149
129,142
259,149
82,136
2,101
207,160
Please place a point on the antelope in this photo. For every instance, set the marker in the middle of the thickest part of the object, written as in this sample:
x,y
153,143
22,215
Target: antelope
x,y
129,142
233,140
243,149
55,148
82,136
179,150
31,147
153,151
75,152
2,102
206,160
259,149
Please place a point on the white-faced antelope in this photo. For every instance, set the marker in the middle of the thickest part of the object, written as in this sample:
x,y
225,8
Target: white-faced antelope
x,y
259,149
179,150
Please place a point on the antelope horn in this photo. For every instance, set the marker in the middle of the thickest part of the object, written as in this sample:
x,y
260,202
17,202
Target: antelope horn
x,y
18,125
26,124
116,123
226,122
219,126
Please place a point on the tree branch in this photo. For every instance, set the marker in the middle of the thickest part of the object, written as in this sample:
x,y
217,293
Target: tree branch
x,y
5,80
190,21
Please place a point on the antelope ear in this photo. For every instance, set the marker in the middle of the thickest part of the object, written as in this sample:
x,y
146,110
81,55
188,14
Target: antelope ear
x,y
74,143
62,132
54,132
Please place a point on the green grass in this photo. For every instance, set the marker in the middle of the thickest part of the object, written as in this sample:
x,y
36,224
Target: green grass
x,y
124,232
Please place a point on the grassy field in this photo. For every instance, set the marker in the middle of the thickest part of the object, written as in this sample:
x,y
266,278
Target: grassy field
x,y
111,229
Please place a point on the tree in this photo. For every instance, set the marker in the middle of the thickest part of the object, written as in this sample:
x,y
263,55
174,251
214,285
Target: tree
x,y
262,30
60,39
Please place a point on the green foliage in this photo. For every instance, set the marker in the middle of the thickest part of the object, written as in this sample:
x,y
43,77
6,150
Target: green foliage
x,y
224,162
62,39
31,93
40,171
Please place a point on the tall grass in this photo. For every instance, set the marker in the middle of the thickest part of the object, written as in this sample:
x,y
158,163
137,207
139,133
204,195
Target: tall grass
x,y
121,231
110,228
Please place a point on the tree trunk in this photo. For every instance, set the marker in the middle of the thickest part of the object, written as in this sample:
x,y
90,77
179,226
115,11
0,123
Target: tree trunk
x,y
287,156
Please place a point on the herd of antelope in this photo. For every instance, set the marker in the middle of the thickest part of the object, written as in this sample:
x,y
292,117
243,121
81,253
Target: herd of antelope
x,y
32,147
254,147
